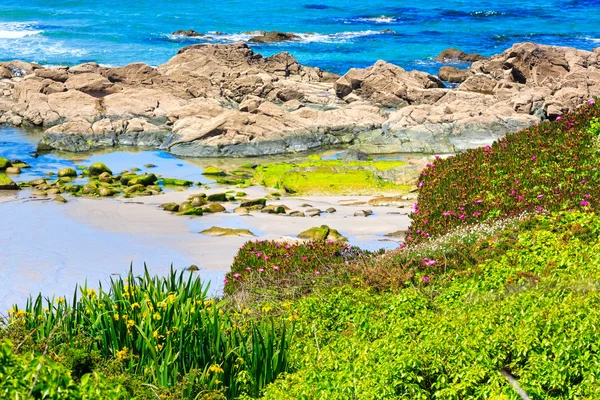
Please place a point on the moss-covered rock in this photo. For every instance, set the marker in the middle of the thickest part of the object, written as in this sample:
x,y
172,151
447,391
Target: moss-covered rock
x,y
214,171
255,202
241,210
150,166
97,168
60,199
176,182
172,207
134,189
227,232
322,233
4,163
106,192
193,211
6,183
105,177
185,206
218,197
198,201
214,208
240,194
67,173
142,180
274,209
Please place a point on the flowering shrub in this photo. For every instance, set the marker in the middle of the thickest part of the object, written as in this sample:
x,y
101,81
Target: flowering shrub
x,y
530,309
269,264
553,166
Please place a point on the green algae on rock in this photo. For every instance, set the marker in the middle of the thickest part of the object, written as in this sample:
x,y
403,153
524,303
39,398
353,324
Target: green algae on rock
x,y
210,170
4,163
322,233
97,168
332,177
6,183
176,182
67,172
227,232
214,208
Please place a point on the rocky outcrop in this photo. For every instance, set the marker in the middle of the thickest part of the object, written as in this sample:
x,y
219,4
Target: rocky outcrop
x,y
226,100
188,33
453,75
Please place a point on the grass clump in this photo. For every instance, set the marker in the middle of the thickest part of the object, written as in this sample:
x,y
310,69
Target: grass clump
x,y
549,167
163,332
330,177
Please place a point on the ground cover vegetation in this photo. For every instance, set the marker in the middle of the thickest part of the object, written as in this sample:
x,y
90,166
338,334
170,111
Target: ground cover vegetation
x,y
470,307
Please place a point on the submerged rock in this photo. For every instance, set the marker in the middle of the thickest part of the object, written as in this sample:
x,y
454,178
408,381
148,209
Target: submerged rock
x,y
176,182
188,33
273,37
60,199
13,170
363,213
227,232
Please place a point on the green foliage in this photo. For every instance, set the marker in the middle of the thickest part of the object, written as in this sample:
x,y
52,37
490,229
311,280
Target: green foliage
x,y
39,377
331,177
531,308
549,167
162,329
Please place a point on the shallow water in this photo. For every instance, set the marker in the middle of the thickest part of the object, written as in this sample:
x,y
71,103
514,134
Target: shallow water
x,y
51,247
334,34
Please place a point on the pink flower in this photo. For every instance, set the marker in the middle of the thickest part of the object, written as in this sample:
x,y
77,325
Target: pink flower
x,y
277,245
401,245
587,196
288,247
266,258
225,281
558,118
429,263
539,196
236,275
420,184
478,201
461,216
276,268
539,209
304,258
437,157
520,198
512,192
591,101
248,269
583,181
516,181
258,255
534,157
418,231
261,270
476,213
317,273
425,278
584,203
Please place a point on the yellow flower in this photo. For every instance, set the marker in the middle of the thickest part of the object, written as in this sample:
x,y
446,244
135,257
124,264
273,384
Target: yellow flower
x,y
130,324
208,303
60,300
171,298
91,293
155,334
216,369
221,312
11,311
122,354
239,360
21,314
116,307
245,311
156,316
116,317
135,305
266,309
159,347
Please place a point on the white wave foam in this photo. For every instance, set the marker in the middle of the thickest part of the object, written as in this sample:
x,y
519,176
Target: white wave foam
x,y
595,40
17,30
382,19
340,37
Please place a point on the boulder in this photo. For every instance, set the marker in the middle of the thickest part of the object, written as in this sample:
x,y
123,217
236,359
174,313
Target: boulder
x,y
453,75
210,170
322,233
217,197
214,208
4,163
453,54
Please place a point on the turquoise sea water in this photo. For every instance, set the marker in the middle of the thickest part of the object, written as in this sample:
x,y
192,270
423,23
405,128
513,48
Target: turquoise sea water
x,y
335,34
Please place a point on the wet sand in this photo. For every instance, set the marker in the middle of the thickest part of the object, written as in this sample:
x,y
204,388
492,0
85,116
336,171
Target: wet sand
x,y
51,247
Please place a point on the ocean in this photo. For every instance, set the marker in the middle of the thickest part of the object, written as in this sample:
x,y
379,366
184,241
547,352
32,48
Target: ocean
x,y
335,35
